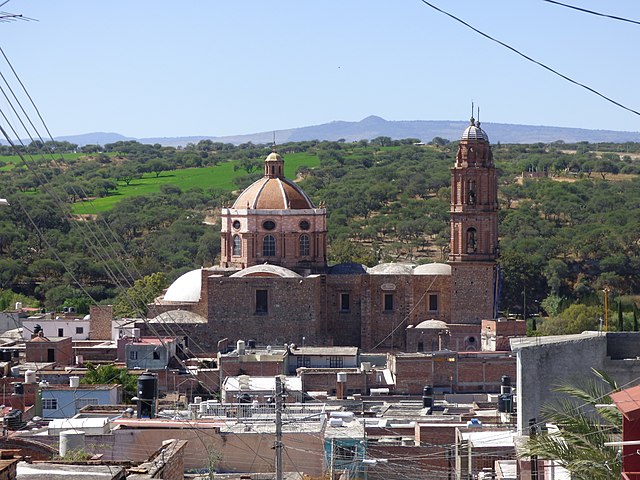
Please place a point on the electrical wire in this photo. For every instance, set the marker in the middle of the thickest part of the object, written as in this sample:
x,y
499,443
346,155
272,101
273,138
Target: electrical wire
x,y
613,17
530,59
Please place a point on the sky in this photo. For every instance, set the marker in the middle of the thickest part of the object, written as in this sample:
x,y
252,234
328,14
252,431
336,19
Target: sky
x,y
227,67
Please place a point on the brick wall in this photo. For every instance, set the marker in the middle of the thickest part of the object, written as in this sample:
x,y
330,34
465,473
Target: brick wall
x,y
100,322
37,350
451,371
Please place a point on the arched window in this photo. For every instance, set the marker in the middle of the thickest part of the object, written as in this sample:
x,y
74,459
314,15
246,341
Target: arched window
x,y
471,192
237,246
269,246
472,240
304,245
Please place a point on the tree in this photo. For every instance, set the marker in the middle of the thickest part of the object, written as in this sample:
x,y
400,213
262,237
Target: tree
x,y
134,302
109,374
584,426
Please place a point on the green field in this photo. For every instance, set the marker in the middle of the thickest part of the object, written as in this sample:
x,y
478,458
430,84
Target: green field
x,y
7,162
219,177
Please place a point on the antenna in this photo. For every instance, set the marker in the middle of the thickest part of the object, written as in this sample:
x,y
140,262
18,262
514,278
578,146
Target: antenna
x,y
472,119
478,124
274,141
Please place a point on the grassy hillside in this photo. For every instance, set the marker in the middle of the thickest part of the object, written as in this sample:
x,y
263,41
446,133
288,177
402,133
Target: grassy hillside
x,y
219,177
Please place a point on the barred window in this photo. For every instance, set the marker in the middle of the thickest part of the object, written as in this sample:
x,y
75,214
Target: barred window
x,y
237,246
269,246
304,245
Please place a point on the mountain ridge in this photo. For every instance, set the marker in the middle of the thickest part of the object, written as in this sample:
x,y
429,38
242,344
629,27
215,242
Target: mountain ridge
x,y
374,126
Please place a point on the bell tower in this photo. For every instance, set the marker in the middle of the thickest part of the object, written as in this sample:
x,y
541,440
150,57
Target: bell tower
x,y
474,228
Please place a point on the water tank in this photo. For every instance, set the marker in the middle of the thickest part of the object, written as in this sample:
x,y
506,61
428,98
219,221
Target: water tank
x,y
13,420
240,347
74,382
505,403
79,360
341,377
427,396
197,400
30,376
15,371
147,386
18,305
6,355
251,344
136,333
365,366
18,388
505,384
70,441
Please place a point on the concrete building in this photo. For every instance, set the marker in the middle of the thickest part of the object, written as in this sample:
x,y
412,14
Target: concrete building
x,y
274,285
543,363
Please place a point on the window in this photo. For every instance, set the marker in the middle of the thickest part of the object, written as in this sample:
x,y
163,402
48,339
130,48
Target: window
x,y
61,332
421,346
79,330
85,402
269,246
237,246
49,403
268,224
433,302
303,361
388,302
304,245
133,355
236,224
345,302
472,241
304,225
156,355
262,301
51,355
336,362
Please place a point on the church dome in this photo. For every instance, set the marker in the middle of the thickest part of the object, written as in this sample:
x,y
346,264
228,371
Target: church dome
x,y
474,132
186,288
432,269
433,325
266,270
391,269
273,194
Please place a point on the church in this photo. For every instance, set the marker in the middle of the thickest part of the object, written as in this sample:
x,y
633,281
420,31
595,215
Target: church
x,y
274,286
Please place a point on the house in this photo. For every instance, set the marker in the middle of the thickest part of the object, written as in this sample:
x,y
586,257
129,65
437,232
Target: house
x,y
151,353
42,349
65,401
628,402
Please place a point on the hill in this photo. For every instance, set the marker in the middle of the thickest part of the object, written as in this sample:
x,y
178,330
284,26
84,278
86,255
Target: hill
x,y
372,127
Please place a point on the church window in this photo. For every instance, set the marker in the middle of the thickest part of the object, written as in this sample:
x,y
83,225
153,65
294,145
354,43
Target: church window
x,y
433,302
345,302
262,300
236,224
269,246
472,240
268,224
237,246
388,302
304,225
304,245
471,192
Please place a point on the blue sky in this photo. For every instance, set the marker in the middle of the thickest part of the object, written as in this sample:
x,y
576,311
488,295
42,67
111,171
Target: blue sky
x,y
157,68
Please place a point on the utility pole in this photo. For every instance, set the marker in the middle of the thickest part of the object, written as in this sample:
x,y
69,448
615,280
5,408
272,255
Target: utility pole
x,y
278,442
606,309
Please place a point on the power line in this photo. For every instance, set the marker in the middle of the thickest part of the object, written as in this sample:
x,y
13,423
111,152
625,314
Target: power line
x,y
613,17
530,59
